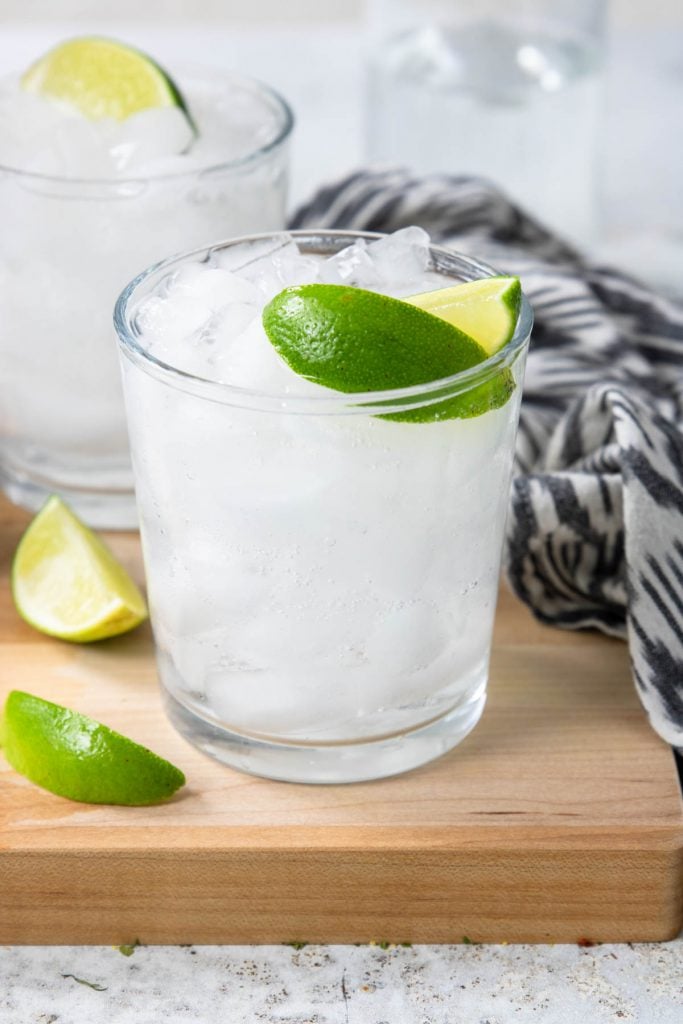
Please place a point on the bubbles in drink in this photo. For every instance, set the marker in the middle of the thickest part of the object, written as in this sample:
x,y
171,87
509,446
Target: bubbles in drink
x,y
322,575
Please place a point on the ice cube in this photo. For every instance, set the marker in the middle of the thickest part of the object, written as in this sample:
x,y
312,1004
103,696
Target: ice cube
x,y
293,267
54,138
281,267
213,286
199,310
148,136
401,259
351,266
165,325
246,257
408,637
244,357
75,147
31,130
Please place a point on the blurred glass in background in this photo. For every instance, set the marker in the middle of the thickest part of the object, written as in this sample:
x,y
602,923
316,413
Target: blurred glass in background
x,y
312,51
510,90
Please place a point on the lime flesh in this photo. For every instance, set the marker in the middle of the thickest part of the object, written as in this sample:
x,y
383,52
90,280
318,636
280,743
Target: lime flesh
x,y
75,757
352,340
487,310
102,78
67,583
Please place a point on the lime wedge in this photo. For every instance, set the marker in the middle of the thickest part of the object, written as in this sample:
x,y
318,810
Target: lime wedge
x,y
66,583
102,79
487,309
352,340
74,756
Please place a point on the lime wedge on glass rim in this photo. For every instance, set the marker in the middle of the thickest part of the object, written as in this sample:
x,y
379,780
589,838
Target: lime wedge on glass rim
x,y
76,757
102,78
487,309
353,340
67,583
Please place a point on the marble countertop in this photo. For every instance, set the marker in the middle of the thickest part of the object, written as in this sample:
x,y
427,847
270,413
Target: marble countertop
x,y
466,984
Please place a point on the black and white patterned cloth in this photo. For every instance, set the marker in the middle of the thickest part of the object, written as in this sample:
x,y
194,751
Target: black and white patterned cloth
x,y
595,532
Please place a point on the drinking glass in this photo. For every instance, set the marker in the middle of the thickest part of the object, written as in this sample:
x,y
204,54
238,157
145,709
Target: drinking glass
x,y
68,246
509,90
322,580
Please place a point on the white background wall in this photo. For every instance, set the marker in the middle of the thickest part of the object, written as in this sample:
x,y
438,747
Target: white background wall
x,y
624,12
310,51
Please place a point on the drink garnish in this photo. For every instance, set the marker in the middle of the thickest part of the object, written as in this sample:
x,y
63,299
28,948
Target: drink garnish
x,y
102,78
352,340
486,309
68,584
76,757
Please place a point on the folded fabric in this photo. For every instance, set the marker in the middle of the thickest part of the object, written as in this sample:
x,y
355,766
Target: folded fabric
x,y
595,530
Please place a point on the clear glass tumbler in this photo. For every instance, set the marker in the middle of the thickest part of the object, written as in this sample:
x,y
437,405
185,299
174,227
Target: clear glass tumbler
x,y
68,246
322,581
509,90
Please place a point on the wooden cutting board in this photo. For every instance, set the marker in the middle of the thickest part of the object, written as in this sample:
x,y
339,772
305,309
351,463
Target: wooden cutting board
x,y
559,819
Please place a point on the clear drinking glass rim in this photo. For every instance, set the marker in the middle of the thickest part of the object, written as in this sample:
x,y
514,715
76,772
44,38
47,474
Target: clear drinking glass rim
x,y
285,130
335,402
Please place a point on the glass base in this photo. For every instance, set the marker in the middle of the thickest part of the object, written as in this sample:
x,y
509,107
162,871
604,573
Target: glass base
x,y
335,762
105,510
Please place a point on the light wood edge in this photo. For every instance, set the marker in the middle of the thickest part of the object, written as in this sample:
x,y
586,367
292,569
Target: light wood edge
x,y
152,841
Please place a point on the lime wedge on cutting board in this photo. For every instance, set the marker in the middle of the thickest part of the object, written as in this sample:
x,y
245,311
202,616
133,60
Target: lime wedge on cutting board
x,y
73,756
67,583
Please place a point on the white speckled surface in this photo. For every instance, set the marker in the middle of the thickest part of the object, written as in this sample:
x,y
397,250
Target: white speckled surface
x,y
344,985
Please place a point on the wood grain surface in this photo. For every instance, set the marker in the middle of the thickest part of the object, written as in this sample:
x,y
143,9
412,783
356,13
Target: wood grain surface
x,y
558,819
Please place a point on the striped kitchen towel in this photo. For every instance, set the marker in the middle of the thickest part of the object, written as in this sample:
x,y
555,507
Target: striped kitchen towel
x,y
595,532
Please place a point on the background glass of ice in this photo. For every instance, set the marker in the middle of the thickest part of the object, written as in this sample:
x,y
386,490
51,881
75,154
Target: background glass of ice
x,y
85,205
510,90
322,581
